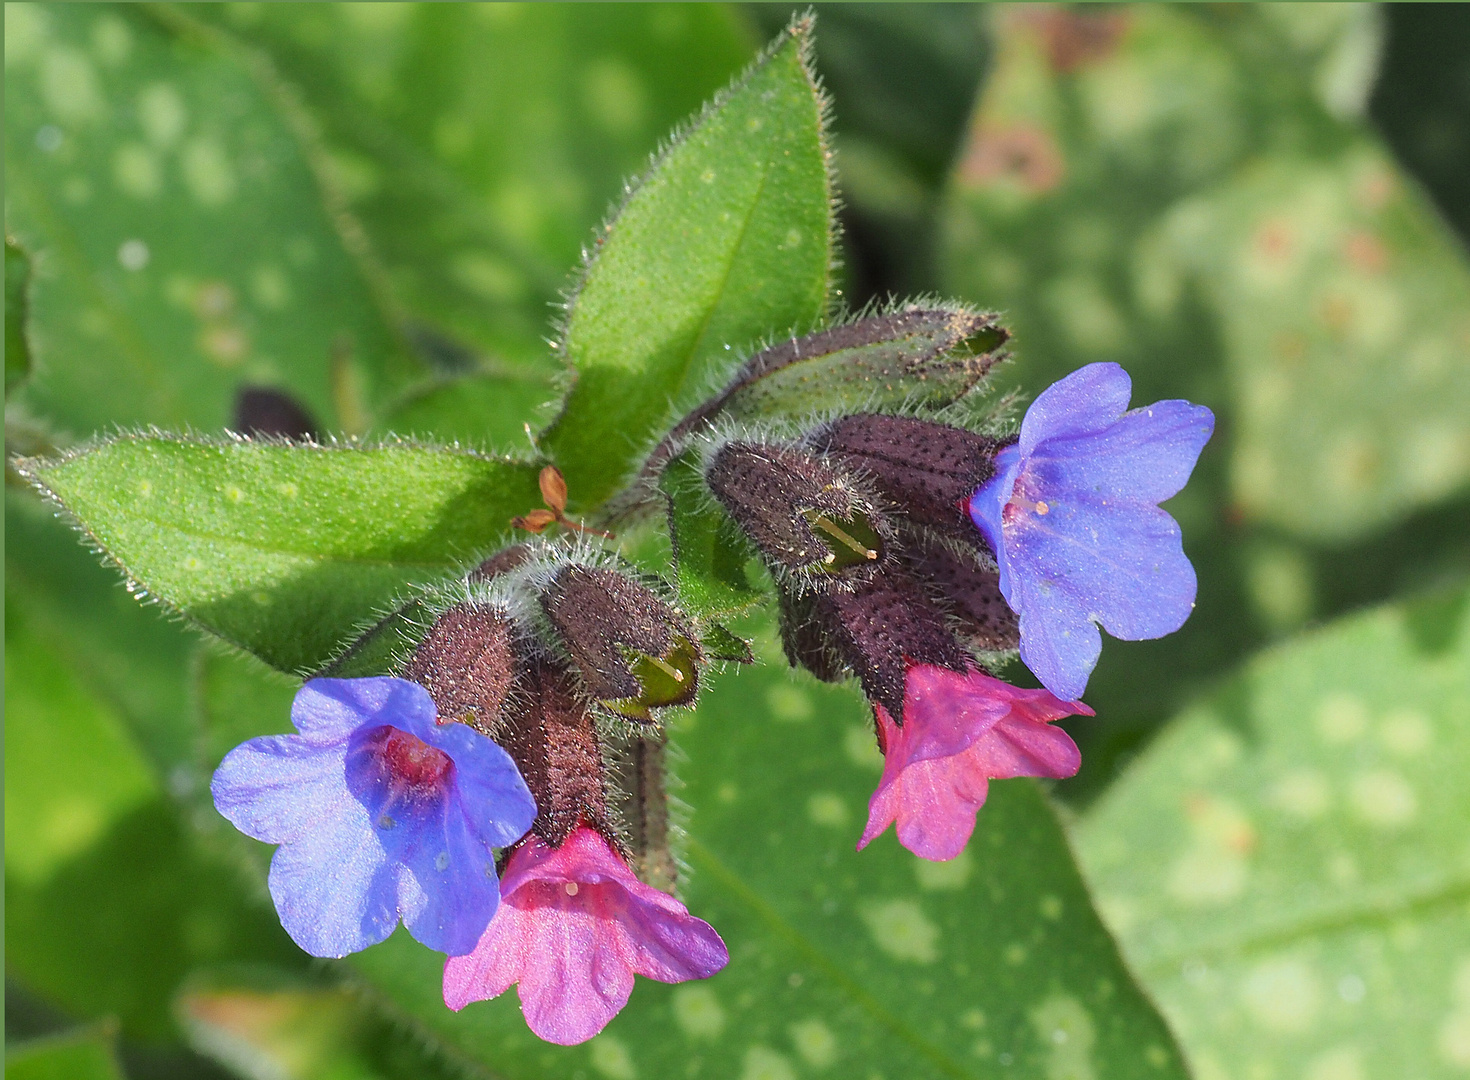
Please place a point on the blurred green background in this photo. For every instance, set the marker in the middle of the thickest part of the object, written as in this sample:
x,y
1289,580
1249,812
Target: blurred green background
x,y
1263,209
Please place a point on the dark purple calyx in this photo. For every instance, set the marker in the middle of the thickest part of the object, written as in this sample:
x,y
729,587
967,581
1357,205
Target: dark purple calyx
x,y
969,591
800,512
553,739
633,651
927,470
467,663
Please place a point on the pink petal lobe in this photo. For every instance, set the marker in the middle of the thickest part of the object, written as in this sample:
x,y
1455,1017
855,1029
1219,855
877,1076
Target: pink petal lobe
x,y
963,730
573,928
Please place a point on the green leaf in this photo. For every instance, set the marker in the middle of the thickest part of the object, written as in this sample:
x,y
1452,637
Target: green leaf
x,y
17,312
82,1055
872,963
726,241
108,901
1286,867
130,657
709,552
185,242
286,550
483,411
479,182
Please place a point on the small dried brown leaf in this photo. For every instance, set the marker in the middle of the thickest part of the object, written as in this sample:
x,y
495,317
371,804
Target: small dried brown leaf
x,y
553,489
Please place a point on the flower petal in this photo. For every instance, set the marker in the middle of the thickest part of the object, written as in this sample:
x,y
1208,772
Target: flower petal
x,y
574,926
1145,457
329,710
934,803
276,786
1016,747
447,889
1086,401
496,800
333,886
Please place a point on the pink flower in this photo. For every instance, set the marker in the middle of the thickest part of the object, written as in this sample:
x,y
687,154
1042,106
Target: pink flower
x,y
962,729
573,928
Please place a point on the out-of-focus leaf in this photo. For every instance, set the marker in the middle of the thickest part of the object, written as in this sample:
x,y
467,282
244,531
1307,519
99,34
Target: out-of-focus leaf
x,y
70,767
1105,142
183,243
725,242
843,963
488,412
108,902
84,1055
1287,867
1344,307
479,143
17,312
276,1032
709,552
131,657
286,550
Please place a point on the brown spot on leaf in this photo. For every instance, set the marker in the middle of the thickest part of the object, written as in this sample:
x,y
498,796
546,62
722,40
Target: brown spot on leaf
x,y
1025,155
1074,38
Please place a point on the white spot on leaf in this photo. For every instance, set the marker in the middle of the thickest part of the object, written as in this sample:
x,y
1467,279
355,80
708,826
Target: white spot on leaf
x,y
698,1012
902,930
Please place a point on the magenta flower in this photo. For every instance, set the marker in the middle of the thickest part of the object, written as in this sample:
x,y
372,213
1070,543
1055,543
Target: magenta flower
x,y
382,814
1072,515
574,927
960,731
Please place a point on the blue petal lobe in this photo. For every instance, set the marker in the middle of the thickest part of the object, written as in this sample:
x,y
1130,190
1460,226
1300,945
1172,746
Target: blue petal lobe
x,y
277,786
329,710
1145,457
329,886
1086,401
1059,644
447,888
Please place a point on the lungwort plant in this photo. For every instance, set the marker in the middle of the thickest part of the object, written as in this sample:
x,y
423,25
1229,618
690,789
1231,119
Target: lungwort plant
x,y
509,663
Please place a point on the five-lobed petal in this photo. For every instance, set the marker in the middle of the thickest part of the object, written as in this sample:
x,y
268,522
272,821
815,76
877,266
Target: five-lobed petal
x,y
1073,518
381,814
962,730
574,926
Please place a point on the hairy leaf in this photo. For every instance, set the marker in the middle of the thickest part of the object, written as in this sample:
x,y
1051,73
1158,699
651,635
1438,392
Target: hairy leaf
x,y
1286,868
726,241
478,181
709,552
286,550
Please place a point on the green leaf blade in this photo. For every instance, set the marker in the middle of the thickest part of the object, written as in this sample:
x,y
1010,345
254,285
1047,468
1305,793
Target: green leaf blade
x,y
285,550
728,240
1289,859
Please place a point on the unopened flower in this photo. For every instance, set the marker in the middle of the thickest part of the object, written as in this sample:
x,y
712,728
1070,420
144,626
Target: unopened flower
x,y
633,651
1073,518
574,926
381,813
961,730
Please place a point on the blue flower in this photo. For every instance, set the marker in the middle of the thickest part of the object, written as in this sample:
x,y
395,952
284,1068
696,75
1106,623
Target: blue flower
x,y
381,812
1073,518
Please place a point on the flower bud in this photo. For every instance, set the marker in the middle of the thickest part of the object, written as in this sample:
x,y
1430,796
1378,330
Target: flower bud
x,y
926,470
467,663
799,511
633,651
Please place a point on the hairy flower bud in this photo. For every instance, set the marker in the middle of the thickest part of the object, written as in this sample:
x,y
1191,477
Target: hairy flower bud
x,y
553,740
927,470
969,591
800,512
467,663
633,651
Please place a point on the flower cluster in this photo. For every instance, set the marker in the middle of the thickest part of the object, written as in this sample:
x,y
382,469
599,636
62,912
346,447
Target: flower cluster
x,y
908,553
502,795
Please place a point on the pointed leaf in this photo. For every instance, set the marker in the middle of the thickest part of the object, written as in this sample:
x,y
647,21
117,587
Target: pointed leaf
x,y
726,241
285,550
82,1055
